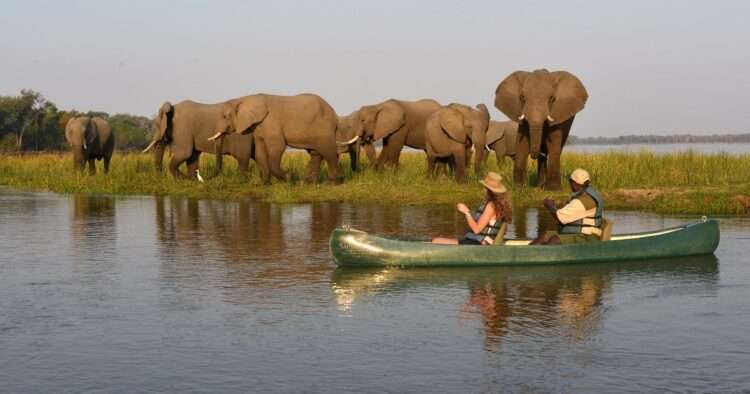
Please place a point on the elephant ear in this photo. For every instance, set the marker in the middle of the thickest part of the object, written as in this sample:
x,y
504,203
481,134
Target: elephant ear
x,y
452,123
495,132
69,131
508,94
570,96
390,118
165,117
249,113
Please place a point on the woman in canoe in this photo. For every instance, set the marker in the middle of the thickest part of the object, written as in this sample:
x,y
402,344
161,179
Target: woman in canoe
x,y
487,220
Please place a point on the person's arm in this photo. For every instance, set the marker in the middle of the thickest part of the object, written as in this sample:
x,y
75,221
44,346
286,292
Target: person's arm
x,y
551,206
571,212
477,226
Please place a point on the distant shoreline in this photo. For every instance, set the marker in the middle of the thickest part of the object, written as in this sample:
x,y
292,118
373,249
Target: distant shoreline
x,y
662,139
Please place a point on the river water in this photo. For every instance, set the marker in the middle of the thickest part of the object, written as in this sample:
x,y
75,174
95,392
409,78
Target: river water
x,y
160,294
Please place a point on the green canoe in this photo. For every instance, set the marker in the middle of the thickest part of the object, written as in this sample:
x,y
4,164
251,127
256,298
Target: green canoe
x,y
354,248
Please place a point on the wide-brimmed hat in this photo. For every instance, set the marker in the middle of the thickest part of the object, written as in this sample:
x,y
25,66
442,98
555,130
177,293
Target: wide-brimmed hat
x,y
579,176
494,182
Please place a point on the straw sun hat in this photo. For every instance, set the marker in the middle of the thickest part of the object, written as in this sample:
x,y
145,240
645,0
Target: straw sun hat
x,y
494,182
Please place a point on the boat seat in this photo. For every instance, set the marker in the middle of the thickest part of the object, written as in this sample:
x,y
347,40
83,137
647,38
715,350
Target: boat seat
x,y
500,238
606,230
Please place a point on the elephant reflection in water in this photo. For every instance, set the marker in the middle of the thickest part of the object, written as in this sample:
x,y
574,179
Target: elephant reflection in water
x,y
544,221
241,231
93,232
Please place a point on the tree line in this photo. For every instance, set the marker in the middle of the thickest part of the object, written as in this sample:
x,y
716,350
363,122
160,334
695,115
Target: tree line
x,y
30,122
662,139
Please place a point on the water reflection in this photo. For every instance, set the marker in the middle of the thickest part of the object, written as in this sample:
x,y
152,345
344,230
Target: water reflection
x,y
567,301
93,231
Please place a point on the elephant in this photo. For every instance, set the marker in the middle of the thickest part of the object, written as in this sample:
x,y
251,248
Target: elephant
x,y
350,143
90,139
545,104
304,121
501,138
450,133
397,123
186,127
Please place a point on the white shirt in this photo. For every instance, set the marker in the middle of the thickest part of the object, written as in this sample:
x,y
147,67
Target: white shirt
x,y
574,210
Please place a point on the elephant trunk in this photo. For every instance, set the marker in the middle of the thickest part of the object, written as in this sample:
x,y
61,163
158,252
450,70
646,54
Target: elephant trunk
x,y
159,156
480,152
354,156
79,158
535,140
219,151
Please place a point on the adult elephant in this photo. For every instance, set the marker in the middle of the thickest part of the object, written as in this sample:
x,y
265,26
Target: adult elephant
x,y
450,133
502,138
349,142
305,121
545,104
397,123
90,139
186,127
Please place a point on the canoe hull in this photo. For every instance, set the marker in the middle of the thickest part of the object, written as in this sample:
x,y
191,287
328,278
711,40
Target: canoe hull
x,y
352,248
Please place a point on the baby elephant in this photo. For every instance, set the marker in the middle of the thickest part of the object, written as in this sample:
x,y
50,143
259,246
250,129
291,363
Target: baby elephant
x,y
502,138
90,138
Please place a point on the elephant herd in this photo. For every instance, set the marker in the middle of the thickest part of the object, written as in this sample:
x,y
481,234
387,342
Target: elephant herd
x,y
541,106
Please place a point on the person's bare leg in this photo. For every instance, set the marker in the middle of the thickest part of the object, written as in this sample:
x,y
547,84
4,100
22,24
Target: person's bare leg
x,y
445,241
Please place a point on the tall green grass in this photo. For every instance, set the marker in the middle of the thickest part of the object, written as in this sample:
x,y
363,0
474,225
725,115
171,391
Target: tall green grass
x,y
686,182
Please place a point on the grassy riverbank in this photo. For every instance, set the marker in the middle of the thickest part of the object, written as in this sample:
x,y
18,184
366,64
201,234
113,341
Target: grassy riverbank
x,y
690,183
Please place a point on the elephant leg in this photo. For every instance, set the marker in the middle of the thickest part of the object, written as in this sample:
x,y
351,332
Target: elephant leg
x,y
106,164
313,167
522,156
459,158
179,156
192,165
431,166
243,164
392,146
92,166
554,150
500,160
370,153
275,147
261,157
332,161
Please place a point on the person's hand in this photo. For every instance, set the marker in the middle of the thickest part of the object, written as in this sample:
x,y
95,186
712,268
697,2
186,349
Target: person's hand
x,y
461,207
549,203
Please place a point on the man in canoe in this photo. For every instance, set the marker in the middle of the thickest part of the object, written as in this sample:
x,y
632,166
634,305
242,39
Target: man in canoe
x,y
580,220
487,220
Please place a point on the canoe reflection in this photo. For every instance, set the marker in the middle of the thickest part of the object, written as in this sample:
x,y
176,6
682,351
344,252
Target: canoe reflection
x,y
530,300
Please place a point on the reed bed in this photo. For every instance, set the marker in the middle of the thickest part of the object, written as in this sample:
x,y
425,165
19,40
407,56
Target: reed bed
x,y
684,182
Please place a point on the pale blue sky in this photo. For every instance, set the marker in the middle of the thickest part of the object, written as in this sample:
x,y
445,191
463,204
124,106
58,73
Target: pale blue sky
x,y
649,66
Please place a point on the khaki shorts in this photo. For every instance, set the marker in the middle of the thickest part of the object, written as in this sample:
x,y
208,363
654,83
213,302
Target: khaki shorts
x,y
566,239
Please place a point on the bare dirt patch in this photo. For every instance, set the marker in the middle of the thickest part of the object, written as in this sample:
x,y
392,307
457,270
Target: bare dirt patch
x,y
640,195
743,201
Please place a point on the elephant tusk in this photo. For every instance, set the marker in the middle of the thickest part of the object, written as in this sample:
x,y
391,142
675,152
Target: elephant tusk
x,y
151,145
550,119
198,175
522,117
351,141
487,148
216,136
542,154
